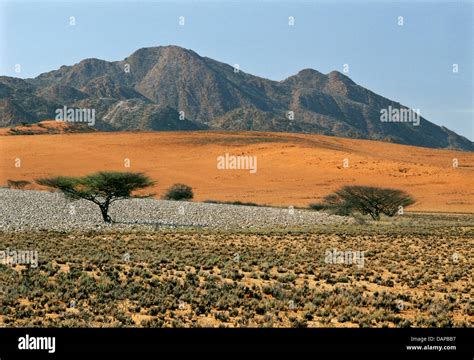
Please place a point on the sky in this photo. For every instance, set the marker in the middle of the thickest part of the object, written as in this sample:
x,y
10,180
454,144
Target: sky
x,y
411,63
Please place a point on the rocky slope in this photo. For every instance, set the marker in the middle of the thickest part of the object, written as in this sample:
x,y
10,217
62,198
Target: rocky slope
x,y
171,88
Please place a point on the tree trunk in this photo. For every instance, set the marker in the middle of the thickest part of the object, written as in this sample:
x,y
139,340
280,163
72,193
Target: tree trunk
x,y
104,209
375,215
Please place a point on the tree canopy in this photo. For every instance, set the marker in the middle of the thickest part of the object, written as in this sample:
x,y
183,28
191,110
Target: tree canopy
x,y
369,200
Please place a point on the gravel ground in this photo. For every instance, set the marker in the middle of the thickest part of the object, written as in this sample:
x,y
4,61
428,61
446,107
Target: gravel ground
x,y
40,210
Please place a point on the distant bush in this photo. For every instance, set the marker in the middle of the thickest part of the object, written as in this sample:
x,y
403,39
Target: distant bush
x,y
367,200
318,206
337,210
179,192
19,184
337,206
233,203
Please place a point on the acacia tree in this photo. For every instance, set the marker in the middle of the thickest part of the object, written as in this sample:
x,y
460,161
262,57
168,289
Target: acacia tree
x,y
102,188
368,200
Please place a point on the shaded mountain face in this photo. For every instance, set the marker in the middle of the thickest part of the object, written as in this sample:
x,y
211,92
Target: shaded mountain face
x,y
171,88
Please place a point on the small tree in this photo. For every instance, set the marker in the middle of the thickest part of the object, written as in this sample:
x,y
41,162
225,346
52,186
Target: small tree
x,y
368,200
179,192
102,188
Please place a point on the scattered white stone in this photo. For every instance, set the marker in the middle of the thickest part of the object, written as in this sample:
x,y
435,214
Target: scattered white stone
x,y
41,210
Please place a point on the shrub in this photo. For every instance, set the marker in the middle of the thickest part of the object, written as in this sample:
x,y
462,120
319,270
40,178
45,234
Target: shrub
x,y
179,192
241,203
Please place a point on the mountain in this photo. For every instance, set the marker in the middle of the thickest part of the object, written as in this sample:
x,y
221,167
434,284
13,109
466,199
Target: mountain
x,y
171,88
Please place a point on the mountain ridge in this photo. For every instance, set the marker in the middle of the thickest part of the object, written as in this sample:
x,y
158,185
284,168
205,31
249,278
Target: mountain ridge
x,y
172,88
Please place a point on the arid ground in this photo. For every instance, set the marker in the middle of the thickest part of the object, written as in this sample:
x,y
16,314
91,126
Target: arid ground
x,y
417,271
292,169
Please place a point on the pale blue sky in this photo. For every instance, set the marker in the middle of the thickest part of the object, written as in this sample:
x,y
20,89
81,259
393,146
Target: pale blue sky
x,y
410,63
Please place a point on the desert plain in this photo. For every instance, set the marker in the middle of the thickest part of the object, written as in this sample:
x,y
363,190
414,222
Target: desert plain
x,y
417,268
292,169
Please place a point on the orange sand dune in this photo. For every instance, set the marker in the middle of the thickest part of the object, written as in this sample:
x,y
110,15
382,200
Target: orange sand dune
x,y
292,169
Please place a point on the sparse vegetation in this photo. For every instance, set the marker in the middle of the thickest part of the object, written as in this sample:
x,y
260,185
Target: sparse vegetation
x,y
192,278
242,203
